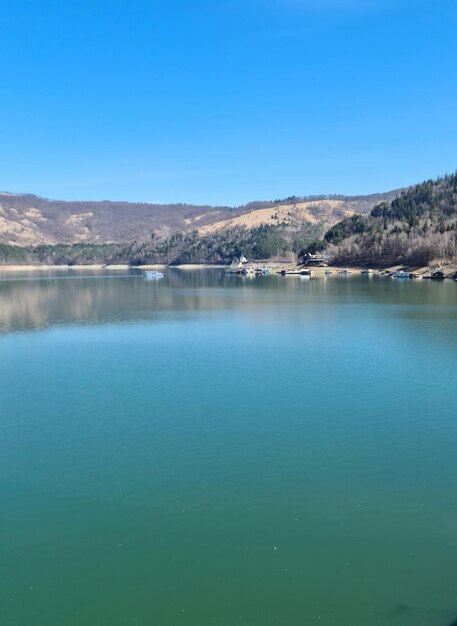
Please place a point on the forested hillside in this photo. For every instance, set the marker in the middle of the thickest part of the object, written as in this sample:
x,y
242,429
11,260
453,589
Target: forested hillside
x,y
38,231
415,228
262,242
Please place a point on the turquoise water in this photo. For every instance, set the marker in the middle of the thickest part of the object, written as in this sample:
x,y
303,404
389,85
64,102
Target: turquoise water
x,y
211,450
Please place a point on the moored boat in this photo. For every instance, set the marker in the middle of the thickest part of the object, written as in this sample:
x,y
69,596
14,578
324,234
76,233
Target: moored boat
x,y
295,272
152,274
248,271
400,274
289,273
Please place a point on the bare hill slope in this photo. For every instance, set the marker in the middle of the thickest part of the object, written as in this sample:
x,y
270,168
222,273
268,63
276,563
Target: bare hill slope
x,y
28,220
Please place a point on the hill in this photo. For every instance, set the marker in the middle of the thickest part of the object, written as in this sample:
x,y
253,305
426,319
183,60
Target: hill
x,y
322,211
37,230
29,220
417,227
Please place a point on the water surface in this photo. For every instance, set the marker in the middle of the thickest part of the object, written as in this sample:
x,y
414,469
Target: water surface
x,y
214,450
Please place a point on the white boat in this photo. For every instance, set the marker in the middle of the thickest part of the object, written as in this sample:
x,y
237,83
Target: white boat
x,y
367,272
248,271
289,273
295,272
344,272
152,274
259,271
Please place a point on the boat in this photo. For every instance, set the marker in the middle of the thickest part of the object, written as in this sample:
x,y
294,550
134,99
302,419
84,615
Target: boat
x,y
344,272
295,272
289,273
328,272
152,274
367,272
400,274
416,276
248,271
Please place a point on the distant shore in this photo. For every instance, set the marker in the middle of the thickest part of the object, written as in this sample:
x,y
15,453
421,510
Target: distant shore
x,y
275,266
32,268
450,270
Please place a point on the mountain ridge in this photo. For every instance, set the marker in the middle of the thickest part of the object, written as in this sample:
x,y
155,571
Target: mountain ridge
x,y
30,220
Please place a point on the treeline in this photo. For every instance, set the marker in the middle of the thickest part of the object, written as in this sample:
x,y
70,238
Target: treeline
x,y
60,254
263,242
415,228
13,255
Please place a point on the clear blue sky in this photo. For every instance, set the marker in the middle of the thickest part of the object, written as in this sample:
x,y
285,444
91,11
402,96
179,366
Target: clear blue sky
x,y
225,101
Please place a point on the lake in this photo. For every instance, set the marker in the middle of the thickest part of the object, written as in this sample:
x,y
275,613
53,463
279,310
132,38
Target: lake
x,y
207,449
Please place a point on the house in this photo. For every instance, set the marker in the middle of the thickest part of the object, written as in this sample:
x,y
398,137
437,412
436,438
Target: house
x,y
320,259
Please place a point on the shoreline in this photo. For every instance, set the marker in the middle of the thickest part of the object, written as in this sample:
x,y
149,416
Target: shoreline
x,y
450,271
97,267
276,266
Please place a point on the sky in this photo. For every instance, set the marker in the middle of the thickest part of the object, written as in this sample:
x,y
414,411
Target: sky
x,y
225,101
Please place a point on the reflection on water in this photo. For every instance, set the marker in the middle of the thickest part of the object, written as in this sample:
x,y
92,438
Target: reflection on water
x,y
45,299
207,449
